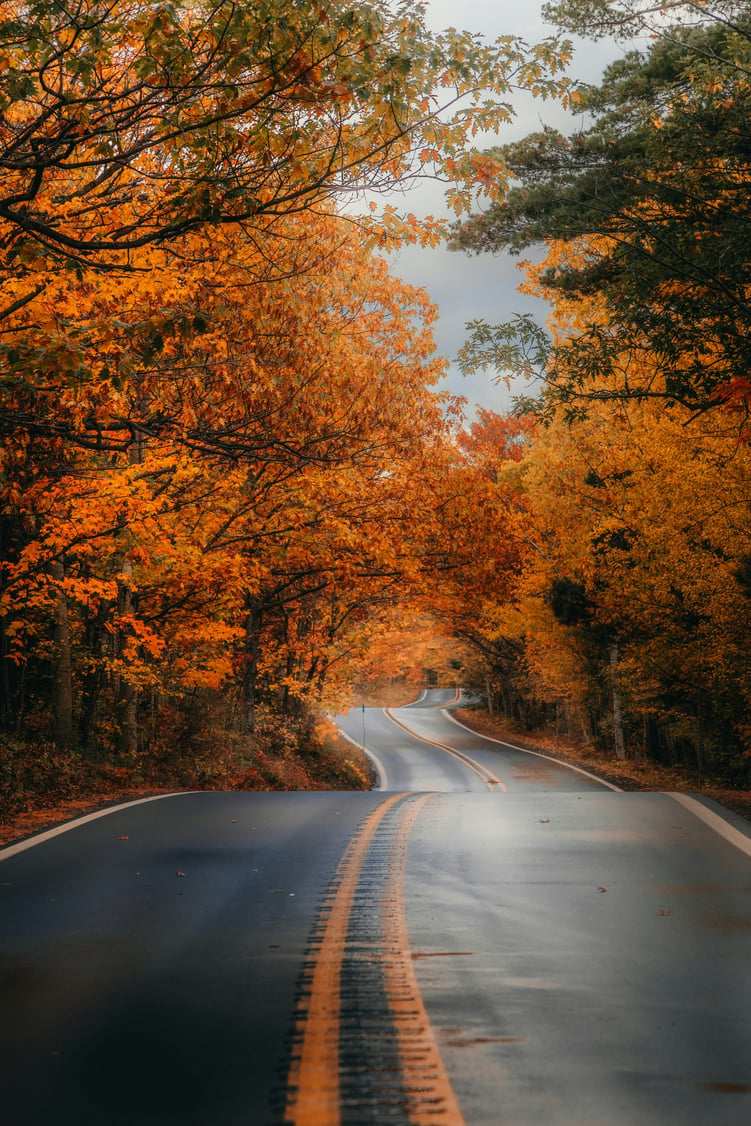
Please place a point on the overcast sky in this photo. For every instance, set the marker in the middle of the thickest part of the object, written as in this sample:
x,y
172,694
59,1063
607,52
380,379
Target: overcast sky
x,y
485,286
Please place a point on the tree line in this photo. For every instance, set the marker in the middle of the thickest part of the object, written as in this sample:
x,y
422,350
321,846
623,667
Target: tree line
x,y
227,480
630,620
230,488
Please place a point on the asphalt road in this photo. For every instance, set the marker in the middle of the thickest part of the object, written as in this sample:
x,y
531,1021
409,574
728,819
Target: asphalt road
x,y
420,747
489,939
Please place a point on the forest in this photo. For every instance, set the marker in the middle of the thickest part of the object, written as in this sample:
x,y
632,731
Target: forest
x,y
629,619
229,487
233,497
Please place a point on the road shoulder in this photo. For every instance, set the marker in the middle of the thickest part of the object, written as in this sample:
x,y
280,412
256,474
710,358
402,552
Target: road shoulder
x,y
630,775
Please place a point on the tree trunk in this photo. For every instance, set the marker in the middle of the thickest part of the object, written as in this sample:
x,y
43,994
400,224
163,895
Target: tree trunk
x,y
62,678
507,699
252,644
137,448
620,742
489,691
127,694
95,637
7,708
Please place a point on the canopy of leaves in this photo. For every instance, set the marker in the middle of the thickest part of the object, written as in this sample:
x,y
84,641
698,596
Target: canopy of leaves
x,y
224,467
652,203
184,144
126,124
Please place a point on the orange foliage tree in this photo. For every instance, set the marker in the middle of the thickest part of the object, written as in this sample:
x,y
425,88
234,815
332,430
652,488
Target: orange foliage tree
x,y
628,616
291,522
221,447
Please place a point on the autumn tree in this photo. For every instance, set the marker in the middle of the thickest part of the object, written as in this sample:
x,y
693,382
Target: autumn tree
x,y
207,463
629,606
129,129
479,546
128,124
180,568
642,528
209,113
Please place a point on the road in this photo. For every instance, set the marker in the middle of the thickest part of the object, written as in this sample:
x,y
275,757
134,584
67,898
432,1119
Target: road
x,y
488,939
419,747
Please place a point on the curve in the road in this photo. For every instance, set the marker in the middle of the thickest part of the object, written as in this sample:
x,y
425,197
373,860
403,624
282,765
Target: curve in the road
x,y
434,698
537,754
493,784
498,764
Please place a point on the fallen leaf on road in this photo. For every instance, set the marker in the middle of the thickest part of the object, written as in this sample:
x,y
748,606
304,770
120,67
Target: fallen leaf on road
x,y
179,873
544,820
602,889
122,838
663,912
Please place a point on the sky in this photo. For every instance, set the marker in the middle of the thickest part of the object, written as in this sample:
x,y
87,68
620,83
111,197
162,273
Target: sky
x,y
485,287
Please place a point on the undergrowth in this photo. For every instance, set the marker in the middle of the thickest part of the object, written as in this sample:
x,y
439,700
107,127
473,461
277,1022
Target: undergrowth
x,y
40,783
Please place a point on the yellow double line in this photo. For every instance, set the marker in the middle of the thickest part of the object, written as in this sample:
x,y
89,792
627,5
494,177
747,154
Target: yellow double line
x,y
488,777
445,704
314,1096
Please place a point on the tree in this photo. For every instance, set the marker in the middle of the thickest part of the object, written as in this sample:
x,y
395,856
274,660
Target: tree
x,y
642,525
628,18
273,505
649,209
129,124
143,141
480,543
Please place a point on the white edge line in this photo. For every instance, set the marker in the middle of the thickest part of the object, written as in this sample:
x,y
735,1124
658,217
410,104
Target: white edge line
x,y
383,779
431,707
537,754
719,824
40,838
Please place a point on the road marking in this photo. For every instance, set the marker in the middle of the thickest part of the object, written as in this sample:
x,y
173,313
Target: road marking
x,y
314,1074
477,768
724,828
383,778
431,1098
40,838
314,1082
537,754
435,707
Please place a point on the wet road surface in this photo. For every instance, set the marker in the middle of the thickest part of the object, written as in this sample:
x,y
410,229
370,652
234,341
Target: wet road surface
x,y
493,940
421,747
